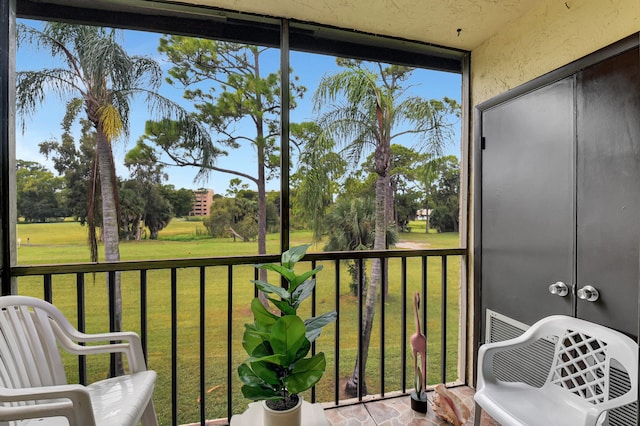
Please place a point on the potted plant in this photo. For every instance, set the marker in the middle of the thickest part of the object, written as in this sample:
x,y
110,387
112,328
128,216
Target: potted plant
x,y
278,368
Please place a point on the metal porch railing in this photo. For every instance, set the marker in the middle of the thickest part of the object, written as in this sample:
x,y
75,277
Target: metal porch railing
x,y
190,315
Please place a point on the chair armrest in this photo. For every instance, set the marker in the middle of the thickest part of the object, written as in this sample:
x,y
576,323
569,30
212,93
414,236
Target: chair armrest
x,y
70,401
130,344
488,350
67,335
628,397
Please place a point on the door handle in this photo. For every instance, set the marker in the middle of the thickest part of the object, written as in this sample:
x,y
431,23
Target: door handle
x,y
559,289
588,293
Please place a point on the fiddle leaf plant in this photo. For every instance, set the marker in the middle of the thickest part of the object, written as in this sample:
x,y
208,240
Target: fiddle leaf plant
x,y
278,367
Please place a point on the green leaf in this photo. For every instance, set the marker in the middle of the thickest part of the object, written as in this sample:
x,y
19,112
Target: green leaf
x,y
288,274
302,292
287,337
293,255
266,372
265,332
259,380
262,350
271,267
263,318
299,279
285,307
314,325
315,362
258,393
247,376
313,334
304,350
264,353
306,373
252,338
270,288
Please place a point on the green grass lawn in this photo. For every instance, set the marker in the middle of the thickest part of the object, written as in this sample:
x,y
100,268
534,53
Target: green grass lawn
x,y
66,242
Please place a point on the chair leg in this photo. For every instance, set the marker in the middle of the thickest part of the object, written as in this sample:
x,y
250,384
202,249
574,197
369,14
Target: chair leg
x,y
149,417
477,415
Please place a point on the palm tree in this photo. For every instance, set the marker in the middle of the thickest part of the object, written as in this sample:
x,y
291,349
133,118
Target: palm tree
x,y
350,226
368,109
99,77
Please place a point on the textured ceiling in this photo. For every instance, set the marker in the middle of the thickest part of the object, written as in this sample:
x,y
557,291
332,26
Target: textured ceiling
x,y
462,24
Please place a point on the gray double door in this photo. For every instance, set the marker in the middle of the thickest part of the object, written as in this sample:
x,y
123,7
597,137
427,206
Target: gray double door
x,y
560,198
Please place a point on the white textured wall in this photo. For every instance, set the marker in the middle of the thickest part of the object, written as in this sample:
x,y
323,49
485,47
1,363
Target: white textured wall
x,y
552,34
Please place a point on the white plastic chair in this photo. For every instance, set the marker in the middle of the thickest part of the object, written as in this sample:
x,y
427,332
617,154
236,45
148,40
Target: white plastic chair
x,y
577,390
33,384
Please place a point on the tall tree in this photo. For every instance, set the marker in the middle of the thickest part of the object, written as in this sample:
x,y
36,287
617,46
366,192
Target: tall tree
x,y
222,216
350,226
158,212
181,199
401,172
426,174
132,207
145,167
446,198
314,184
38,192
368,107
98,76
228,85
73,163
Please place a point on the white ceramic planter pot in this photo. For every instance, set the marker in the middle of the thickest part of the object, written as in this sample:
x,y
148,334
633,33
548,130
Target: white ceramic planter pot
x,y
292,417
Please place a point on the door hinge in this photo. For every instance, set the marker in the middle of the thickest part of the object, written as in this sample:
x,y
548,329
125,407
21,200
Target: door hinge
x,y
483,142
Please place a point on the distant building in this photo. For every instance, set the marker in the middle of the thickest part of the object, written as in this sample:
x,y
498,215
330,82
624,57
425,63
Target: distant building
x,y
202,202
423,214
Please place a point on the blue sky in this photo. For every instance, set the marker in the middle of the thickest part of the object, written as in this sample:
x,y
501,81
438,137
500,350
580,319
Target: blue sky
x,y
45,124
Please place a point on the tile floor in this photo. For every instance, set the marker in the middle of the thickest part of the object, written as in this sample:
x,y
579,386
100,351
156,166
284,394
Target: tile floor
x,y
391,412
397,412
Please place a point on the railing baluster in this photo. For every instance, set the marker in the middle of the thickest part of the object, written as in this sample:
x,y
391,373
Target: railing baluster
x,y
336,349
313,314
113,323
82,361
360,328
48,288
203,352
143,313
256,276
443,320
174,346
230,368
383,271
403,326
423,305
